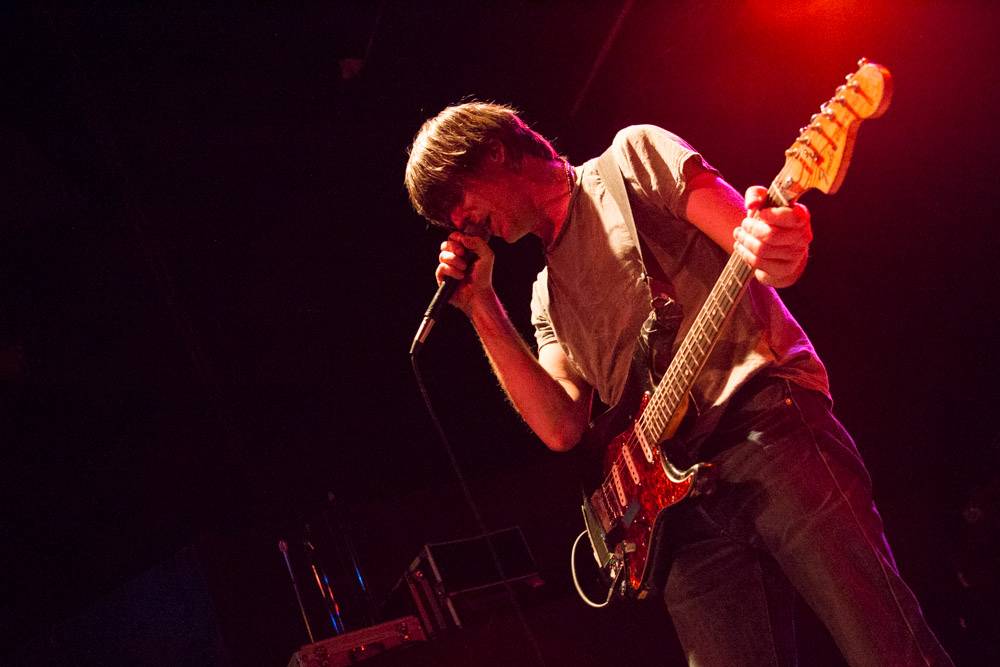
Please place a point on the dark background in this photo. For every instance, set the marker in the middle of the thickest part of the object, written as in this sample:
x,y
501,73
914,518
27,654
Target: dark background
x,y
211,275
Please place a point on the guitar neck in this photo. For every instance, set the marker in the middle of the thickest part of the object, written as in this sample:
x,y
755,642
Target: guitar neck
x,y
622,512
704,333
818,159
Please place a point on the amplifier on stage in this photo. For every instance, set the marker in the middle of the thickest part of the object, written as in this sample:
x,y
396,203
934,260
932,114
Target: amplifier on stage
x,y
352,647
450,583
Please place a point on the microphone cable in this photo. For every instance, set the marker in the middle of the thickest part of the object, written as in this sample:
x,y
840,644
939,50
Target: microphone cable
x,y
473,506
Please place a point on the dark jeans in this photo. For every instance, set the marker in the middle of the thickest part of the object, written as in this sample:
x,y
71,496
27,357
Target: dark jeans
x,y
792,511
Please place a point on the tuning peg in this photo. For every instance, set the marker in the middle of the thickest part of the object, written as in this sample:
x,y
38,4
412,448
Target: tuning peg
x,y
862,62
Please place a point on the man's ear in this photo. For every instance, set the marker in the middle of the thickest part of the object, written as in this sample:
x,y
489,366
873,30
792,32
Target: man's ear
x,y
499,157
497,152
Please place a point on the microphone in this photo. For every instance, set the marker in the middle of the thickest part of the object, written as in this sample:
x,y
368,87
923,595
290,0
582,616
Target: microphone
x,y
443,295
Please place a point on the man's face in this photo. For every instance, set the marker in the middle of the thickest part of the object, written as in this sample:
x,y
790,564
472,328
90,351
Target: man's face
x,y
483,211
495,202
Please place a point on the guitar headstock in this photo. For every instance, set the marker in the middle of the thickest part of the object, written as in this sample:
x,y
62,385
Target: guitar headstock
x,y
821,153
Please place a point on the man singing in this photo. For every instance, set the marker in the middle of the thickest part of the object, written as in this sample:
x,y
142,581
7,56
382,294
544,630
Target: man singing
x,y
792,508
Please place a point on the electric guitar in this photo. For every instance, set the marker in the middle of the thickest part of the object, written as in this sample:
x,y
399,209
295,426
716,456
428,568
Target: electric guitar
x,y
639,480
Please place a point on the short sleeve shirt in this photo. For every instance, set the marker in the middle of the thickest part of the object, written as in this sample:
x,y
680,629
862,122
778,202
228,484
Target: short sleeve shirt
x,y
592,298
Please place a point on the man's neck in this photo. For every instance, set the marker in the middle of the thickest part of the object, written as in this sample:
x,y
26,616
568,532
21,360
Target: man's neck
x,y
553,190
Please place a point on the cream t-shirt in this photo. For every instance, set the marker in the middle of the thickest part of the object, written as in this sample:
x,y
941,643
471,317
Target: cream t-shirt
x,y
592,298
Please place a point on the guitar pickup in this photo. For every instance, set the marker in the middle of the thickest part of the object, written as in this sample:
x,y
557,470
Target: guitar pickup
x,y
630,464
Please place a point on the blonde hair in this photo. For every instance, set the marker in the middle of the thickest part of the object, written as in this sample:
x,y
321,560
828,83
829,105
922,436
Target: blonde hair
x,y
452,144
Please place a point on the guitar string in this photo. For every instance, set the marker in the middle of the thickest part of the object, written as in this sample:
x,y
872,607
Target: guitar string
x,y
653,409
736,268
777,195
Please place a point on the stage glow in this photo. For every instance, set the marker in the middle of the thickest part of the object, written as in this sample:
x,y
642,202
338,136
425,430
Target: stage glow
x,y
812,15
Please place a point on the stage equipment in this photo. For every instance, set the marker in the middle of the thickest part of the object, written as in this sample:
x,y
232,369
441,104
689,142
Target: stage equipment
x,y
353,647
456,583
283,548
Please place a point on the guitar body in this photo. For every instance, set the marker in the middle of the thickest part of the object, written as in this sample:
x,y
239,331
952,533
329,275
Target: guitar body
x,y
624,509
624,512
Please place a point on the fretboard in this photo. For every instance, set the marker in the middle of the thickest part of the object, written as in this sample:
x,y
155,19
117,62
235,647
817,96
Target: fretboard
x,y
704,333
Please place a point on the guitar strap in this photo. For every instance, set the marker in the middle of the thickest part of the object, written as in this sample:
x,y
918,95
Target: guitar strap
x,y
654,348
660,329
611,174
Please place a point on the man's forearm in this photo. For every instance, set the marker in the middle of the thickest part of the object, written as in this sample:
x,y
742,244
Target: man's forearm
x,y
554,410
